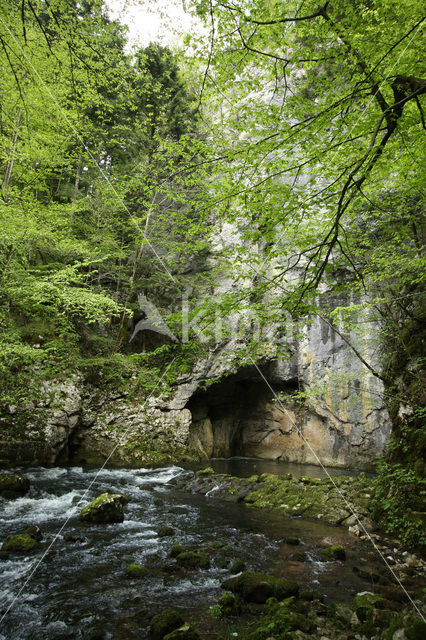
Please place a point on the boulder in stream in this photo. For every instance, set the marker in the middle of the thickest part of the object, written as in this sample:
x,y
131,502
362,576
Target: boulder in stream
x,y
19,542
108,507
165,531
13,486
193,560
164,623
134,570
258,587
336,552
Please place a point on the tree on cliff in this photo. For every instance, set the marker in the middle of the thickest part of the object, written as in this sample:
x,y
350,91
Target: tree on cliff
x,y
323,104
319,147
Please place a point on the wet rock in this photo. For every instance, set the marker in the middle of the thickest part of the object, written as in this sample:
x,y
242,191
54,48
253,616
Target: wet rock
x,y
292,540
176,550
237,567
158,502
258,587
164,623
336,552
165,531
300,556
13,486
34,532
136,571
106,508
19,542
193,560
74,537
4,555
343,615
229,605
223,562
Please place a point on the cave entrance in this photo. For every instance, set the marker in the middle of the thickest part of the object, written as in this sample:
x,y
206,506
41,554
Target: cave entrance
x,y
239,416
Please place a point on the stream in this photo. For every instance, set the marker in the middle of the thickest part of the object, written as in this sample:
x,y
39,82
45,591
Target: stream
x,y
79,584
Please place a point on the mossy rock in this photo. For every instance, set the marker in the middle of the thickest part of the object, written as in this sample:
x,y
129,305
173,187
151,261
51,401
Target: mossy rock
x,y
237,567
336,552
208,471
158,502
193,560
368,599
176,550
19,542
164,623
134,570
13,486
106,508
186,632
223,562
229,605
35,532
259,587
292,540
165,532
415,630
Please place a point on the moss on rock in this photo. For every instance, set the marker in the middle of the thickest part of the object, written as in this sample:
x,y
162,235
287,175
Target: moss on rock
x,y
336,552
193,560
258,587
229,605
106,508
19,542
134,570
13,486
165,532
164,623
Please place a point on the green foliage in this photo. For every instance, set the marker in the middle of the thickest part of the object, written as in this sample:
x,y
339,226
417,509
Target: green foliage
x,y
399,499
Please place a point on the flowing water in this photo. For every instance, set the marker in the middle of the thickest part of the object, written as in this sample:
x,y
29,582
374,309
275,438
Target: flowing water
x,y
75,581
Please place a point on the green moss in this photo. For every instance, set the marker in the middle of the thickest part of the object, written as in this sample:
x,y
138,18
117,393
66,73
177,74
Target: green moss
x,y
176,550
165,532
107,507
193,560
164,623
136,571
258,587
19,542
229,605
335,552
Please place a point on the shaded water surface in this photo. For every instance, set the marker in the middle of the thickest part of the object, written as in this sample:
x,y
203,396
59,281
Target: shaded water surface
x,y
80,583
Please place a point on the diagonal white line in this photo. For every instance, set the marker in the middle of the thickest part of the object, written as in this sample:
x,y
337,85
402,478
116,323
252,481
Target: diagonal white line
x,y
35,566
359,522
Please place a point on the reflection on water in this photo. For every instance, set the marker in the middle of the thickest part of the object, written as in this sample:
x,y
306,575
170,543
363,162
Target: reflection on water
x,y
245,467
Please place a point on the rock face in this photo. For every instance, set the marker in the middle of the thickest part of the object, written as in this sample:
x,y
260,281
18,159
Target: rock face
x,y
108,507
220,408
42,429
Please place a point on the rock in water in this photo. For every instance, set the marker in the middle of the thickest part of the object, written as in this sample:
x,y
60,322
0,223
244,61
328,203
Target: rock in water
x,y
165,622
13,486
258,587
19,542
108,507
